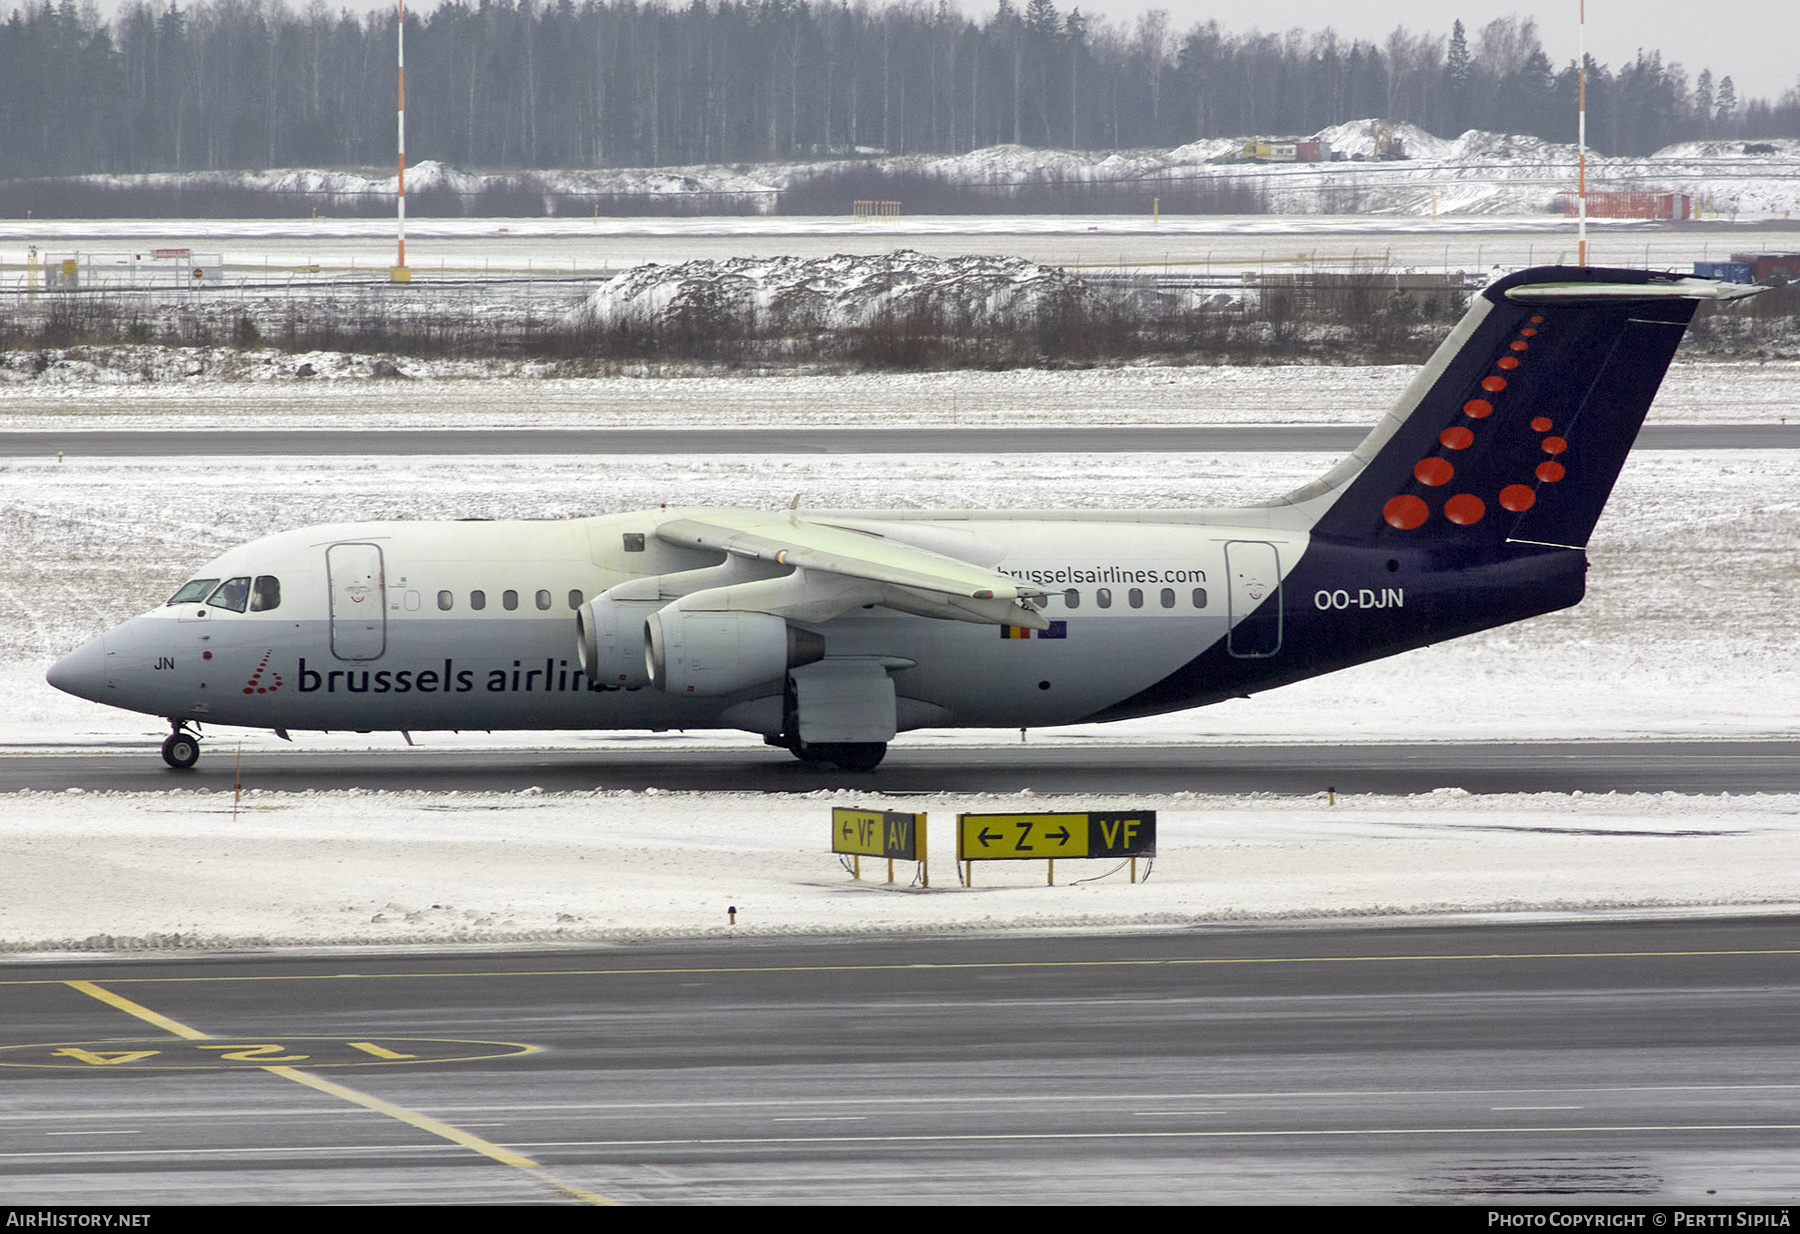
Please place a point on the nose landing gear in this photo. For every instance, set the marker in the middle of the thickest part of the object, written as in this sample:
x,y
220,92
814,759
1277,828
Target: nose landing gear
x,y
180,749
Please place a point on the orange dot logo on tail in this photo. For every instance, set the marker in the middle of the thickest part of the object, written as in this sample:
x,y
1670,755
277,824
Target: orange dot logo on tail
x,y
1405,512
1517,498
1433,471
1465,509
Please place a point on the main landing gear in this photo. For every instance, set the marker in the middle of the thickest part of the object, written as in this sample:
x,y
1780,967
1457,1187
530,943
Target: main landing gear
x,y
180,749
845,755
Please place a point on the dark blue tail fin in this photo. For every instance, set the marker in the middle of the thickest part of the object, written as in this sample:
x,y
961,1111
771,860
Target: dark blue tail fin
x,y
1517,428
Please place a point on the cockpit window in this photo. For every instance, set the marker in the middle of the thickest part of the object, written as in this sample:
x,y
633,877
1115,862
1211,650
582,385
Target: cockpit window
x,y
266,594
233,593
194,592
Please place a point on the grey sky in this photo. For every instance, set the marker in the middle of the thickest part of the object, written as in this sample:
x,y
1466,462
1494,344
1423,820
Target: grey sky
x,y
1752,41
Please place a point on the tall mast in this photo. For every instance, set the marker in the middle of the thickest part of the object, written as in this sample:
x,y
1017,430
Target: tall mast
x,y
400,194
1581,138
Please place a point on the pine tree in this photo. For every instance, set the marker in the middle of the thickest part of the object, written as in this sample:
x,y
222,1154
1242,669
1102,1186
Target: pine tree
x,y
1703,102
1075,30
1456,68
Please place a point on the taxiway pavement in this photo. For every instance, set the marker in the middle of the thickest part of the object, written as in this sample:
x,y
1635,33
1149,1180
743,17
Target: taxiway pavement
x,y
1611,1061
1708,767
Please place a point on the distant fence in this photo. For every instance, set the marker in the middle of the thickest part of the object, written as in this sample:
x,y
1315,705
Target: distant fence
x,y
824,191
1629,204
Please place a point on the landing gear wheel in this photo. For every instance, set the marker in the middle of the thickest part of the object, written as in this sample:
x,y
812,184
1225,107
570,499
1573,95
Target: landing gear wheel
x,y
852,755
181,750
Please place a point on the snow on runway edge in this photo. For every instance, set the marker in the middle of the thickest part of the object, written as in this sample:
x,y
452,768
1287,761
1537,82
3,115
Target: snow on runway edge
x,y
94,871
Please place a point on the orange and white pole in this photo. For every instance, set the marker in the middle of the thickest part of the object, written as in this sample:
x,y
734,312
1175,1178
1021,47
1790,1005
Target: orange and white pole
x,y
1581,139
400,194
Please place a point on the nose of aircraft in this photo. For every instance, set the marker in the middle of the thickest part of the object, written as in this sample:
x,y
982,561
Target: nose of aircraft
x,y
83,671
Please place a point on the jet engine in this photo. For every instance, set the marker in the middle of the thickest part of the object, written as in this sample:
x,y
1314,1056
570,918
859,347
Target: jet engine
x,y
720,652
610,640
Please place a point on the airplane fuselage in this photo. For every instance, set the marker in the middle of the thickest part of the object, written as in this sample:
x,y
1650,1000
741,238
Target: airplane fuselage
x,y
471,625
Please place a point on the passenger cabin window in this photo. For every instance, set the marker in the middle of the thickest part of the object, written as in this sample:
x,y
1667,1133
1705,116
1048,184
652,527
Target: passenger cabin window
x,y
574,600
1103,597
1168,597
509,600
478,600
1072,598
233,593
1136,596
194,592
446,601
1199,597
266,594
543,601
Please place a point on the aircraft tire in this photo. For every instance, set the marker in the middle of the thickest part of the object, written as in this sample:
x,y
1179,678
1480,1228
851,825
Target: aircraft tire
x,y
853,755
181,750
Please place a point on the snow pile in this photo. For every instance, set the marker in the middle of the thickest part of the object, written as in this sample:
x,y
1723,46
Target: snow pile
x,y
1355,137
1021,165
783,294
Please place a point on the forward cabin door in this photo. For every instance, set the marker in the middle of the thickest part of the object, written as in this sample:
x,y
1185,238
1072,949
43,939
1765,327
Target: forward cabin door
x,y
1254,596
358,601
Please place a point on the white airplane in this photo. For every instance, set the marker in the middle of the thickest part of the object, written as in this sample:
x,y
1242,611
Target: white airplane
x,y
1468,506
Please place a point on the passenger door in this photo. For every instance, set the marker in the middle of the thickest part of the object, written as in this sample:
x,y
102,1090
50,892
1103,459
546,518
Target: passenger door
x,y
1253,593
358,601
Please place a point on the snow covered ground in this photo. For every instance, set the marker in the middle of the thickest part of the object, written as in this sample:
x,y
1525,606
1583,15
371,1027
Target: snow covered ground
x,y
202,388
1478,173
1687,631
97,871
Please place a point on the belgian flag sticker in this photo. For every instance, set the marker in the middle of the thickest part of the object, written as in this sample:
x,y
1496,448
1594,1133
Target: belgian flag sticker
x,y
1058,629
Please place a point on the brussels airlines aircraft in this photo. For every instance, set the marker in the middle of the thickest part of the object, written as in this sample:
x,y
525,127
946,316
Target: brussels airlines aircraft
x,y
1468,506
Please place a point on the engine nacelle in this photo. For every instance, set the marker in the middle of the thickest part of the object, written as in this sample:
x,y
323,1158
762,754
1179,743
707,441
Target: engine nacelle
x,y
609,640
711,653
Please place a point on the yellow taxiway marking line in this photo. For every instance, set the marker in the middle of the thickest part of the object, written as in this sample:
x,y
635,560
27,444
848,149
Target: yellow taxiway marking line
x,y
175,1028
948,966
412,1118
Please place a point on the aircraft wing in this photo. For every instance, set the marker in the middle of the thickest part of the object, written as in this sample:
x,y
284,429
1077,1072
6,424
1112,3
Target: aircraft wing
x,y
789,540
